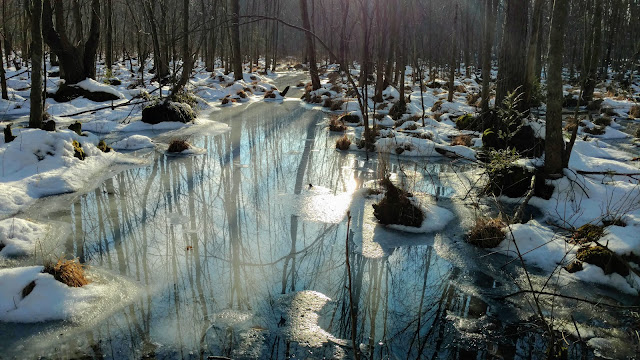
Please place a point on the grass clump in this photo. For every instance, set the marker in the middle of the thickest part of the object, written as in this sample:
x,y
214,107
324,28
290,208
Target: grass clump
x,y
343,143
486,233
335,124
104,147
178,146
596,130
604,258
634,112
68,272
398,109
603,121
587,233
437,106
396,207
464,140
350,118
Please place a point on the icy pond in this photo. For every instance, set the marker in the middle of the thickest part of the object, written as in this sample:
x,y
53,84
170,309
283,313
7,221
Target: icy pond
x,y
239,252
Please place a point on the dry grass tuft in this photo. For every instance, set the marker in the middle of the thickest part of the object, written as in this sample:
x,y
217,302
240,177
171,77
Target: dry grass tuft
x,y
486,233
464,140
68,272
437,106
178,146
343,143
335,124
634,112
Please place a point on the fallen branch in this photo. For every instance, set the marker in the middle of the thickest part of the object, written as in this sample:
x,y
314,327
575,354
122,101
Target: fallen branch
x,y
609,173
568,297
130,102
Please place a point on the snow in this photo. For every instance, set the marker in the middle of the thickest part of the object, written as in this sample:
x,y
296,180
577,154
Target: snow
x,y
538,245
436,218
133,142
20,236
49,300
40,163
94,86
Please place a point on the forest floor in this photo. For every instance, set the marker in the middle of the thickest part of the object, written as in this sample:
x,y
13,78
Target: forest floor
x,y
601,187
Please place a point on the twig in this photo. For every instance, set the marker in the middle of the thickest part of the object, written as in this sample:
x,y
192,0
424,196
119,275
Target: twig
x,y
517,218
569,297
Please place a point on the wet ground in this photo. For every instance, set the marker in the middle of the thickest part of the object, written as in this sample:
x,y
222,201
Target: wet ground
x,y
241,253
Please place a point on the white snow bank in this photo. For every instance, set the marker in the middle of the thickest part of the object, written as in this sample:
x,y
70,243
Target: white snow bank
x,y
94,86
49,300
435,219
538,245
40,163
133,142
19,236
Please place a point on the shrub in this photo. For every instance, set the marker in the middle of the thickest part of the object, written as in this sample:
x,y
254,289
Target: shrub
x,y
604,258
178,146
468,122
68,272
572,123
486,233
396,207
343,143
464,140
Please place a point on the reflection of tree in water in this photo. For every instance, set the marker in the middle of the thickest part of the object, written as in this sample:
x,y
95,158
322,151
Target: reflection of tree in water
x,y
214,243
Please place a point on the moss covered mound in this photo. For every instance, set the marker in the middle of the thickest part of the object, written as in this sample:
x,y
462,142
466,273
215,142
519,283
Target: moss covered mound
x,y
604,258
587,233
397,208
178,146
69,92
167,111
78,151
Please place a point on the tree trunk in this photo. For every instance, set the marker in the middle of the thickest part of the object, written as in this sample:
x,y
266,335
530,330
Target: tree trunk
x,y
3,79
311,51
554,145
187,61
235,39
531,78
592,62
454,51
489,32
37,49
109,39
79,61
512,60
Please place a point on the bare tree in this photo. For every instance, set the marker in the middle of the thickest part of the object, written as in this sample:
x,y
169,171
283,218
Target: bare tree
x,y
37,50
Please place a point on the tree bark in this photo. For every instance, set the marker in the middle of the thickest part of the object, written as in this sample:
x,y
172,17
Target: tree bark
x,y
593,61
554,145
187,61
311,51
161,66
489,33
454,54
3,78
531,78
109,38
512,62
37,49
235,39
79,61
